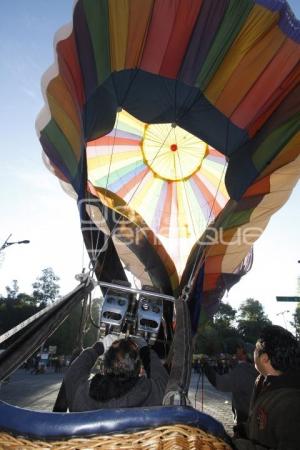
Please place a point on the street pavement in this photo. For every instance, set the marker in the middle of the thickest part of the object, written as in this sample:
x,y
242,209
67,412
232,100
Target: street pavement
x,y
38,392
206,398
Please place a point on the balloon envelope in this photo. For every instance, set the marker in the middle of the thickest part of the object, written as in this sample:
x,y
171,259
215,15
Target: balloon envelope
x,y
134,80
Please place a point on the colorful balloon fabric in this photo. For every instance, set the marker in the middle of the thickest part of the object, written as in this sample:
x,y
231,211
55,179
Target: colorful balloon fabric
x,y
172,179
181,120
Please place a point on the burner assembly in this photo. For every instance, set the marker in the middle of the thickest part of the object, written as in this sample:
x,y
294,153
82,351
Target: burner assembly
x,y
132,312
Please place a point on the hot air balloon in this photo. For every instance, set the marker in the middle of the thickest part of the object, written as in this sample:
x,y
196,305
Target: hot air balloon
x,y
154,103
175,125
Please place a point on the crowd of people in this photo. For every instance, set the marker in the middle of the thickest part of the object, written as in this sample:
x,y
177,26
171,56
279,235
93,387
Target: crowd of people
x,y
222,363
37,365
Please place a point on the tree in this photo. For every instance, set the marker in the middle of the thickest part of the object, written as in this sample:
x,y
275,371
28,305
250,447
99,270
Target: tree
x,y
207,340
12,292
225,316
66,336
252,309
224,324
225,330
14,312
26,299
45,289
296,321
252,319
216,335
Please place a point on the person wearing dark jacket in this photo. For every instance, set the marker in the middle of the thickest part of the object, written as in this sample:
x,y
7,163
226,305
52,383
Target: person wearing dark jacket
x,y
240,382
274,419
121,385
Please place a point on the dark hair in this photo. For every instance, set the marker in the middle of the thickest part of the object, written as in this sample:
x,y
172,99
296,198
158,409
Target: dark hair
x,y
122,359
122,365
281,347
239,345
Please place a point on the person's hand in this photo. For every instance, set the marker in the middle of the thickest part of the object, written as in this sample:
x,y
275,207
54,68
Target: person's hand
x,y
108,340
139,341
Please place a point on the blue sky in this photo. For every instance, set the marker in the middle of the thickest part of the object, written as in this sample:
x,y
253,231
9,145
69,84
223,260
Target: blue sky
x,y
33,205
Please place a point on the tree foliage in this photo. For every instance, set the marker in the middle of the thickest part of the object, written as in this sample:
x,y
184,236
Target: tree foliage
x,y
66,336
207,340
13,313
252,309
296,321
229,327
12,291
45,288
225,316
216,335
18,306
252,319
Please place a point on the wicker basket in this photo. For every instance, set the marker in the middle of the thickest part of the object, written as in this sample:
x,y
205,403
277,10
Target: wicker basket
x,y
175,437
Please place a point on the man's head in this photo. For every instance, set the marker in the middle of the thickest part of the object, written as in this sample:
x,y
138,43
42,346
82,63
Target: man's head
x,y
122,366
276,351
122,359
240,352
